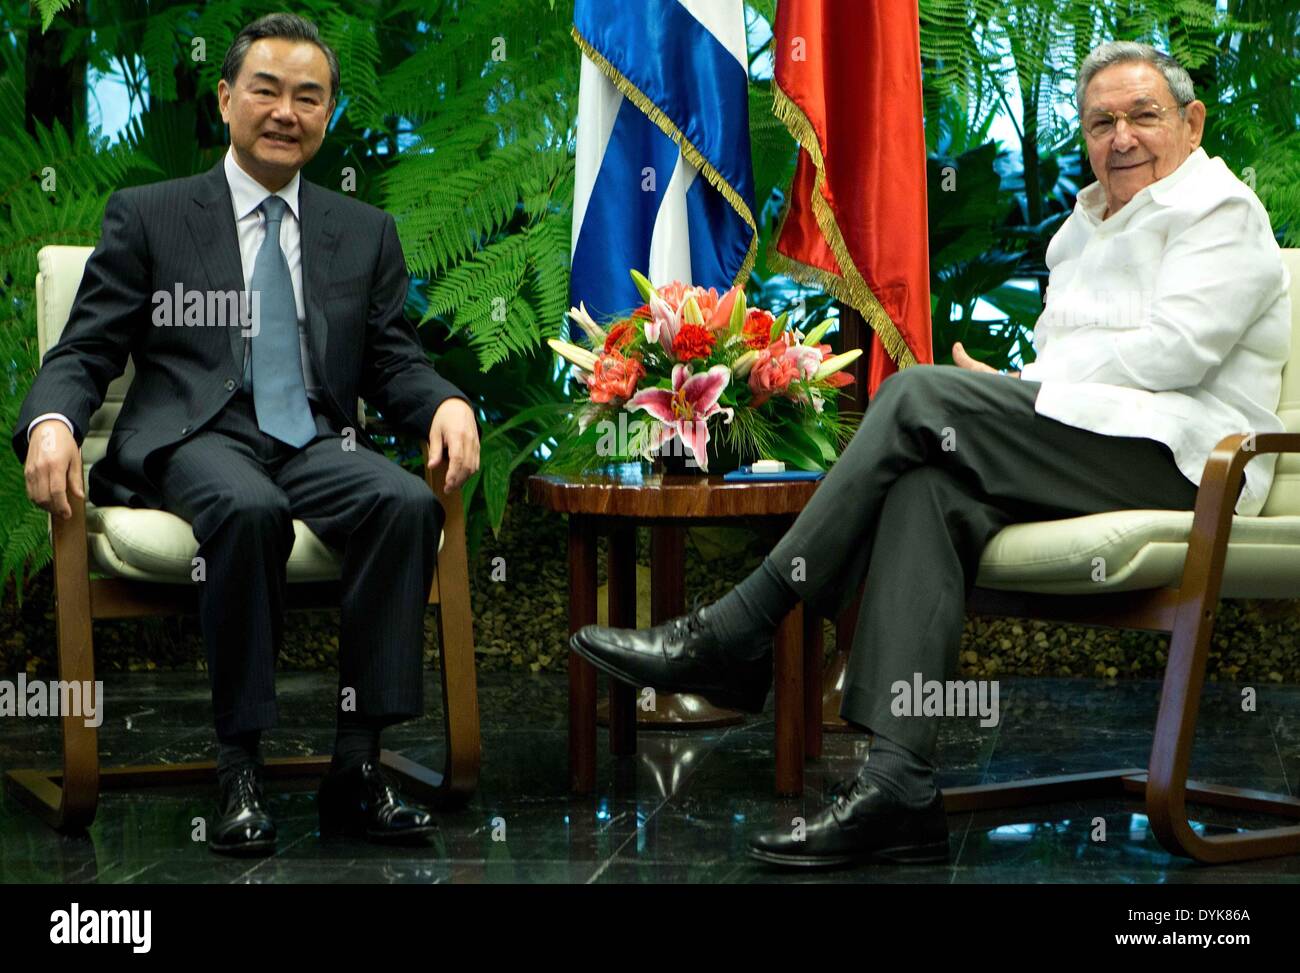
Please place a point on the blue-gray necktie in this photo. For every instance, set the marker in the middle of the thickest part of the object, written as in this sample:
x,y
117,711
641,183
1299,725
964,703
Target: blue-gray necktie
x,y
279,394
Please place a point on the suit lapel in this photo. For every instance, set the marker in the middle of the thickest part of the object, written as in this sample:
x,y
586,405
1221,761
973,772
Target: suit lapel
x,y
211,222
319,244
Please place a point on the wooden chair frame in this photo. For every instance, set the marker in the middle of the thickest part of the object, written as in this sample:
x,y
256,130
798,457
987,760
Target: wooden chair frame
x,y
67,798
1187,613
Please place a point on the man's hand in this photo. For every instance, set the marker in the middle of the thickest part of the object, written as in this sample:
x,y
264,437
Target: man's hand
x,y
453,430
53,468
963,360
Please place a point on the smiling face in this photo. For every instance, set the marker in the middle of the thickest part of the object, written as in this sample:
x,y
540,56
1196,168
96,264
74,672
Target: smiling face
x,y
277,108
1130,157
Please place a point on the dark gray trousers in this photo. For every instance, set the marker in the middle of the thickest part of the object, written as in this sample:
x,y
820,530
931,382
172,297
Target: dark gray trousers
x,y
240,490
943,460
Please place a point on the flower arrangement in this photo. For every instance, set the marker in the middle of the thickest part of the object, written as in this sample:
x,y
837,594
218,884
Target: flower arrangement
x,y
702,374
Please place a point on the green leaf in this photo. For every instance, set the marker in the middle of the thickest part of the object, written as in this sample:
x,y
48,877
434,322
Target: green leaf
x,y
778,326
820,440
494,462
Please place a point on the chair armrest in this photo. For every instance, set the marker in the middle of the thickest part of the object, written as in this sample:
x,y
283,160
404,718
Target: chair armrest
x,y
435,477
1216,499
69,544
1216,502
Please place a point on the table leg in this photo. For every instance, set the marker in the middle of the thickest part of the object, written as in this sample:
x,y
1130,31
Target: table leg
x,y
789,704
622,614
684,711
813,651
582,675
832,682
667,600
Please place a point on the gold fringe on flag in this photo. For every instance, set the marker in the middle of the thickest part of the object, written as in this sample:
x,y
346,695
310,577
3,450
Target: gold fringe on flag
x,y
689,152
849,286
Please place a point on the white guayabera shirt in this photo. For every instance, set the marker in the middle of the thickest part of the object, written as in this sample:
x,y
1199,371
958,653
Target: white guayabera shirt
x,y
1171,320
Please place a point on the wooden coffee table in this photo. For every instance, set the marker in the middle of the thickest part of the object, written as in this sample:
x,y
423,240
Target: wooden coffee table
x,y
616,503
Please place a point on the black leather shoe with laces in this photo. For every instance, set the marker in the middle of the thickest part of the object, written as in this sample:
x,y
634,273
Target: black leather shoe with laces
x,y
244,827
363,803
680,655
863,824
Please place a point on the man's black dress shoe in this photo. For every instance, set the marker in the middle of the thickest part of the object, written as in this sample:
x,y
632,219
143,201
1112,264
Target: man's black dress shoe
x,y
363,803
244,827
864,824
680,655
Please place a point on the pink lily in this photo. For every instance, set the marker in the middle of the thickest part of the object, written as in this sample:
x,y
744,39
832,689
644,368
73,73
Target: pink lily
x,y
685,410
665,321
809,359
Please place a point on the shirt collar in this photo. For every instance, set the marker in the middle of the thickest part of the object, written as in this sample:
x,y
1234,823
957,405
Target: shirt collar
x,y
247,193
1091,201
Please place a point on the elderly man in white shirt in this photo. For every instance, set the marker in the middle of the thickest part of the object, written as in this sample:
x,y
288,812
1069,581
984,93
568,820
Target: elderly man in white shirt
x,y
1167,313
1166,327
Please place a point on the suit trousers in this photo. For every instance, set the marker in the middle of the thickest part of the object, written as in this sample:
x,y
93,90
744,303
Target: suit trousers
x,y
944,459
240,490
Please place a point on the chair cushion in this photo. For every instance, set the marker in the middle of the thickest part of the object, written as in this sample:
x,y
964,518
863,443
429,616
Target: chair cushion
x,y
1141,549
145,545
153,545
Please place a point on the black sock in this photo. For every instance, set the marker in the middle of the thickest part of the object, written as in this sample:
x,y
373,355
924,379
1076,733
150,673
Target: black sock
x,y
236,752
355,741
894,768
745,618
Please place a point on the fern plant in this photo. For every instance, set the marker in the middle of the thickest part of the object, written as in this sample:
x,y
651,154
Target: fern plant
x,y
483,187
53,186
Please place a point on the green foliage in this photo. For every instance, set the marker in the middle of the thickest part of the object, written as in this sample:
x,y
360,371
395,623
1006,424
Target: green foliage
x,y
53,185
786,432
973,257
482,189
1251,85
49,8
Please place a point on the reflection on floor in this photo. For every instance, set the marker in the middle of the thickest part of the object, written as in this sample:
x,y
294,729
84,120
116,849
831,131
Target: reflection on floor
x,y
678,811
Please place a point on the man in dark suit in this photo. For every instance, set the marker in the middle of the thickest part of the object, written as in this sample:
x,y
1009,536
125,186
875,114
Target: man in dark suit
x,y
242,428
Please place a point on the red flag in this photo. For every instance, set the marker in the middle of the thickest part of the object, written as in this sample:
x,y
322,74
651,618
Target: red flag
x,y
848,87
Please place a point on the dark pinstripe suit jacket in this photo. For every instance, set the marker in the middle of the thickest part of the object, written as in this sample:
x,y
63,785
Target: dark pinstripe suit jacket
x,y
182,232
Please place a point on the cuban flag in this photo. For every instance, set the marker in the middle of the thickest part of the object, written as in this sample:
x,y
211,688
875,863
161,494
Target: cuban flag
x,y
663,180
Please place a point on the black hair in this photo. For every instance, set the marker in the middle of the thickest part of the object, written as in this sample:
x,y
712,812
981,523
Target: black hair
x,y
284,25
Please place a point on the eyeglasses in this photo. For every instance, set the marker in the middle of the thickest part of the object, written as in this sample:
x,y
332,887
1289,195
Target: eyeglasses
x,y
1101,124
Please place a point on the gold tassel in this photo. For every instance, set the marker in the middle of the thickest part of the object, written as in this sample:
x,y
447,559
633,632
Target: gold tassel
x,y
689,152
849,287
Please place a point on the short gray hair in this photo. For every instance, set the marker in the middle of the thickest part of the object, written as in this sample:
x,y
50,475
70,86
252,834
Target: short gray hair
x,y
1124,52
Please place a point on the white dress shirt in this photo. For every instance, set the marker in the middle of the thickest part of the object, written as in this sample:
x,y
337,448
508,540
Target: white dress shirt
x,y
1170,320
246,195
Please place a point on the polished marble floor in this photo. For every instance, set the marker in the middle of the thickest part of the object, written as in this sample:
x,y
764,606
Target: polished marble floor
x,y
678,811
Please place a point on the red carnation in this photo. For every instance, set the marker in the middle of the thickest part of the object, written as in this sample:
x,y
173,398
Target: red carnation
x,y
693,341
758,328
620,336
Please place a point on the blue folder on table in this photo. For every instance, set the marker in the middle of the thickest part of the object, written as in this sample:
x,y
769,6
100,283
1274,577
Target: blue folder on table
x,y
747,473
